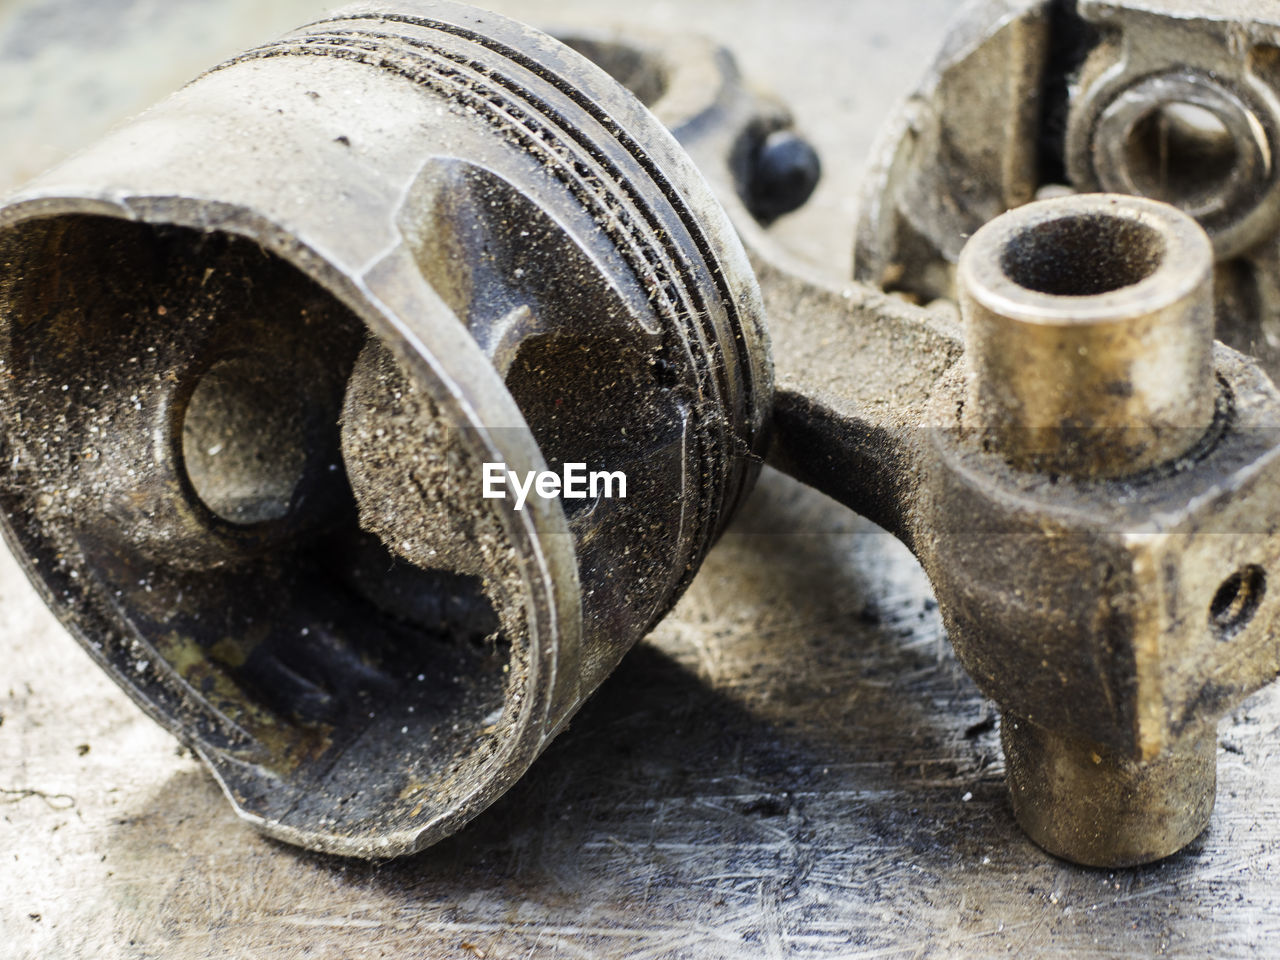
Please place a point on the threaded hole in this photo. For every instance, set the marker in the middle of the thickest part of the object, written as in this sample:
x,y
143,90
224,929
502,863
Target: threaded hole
x,y
1082,255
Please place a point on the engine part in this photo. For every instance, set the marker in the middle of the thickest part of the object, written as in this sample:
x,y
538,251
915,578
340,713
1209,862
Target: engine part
x,y
258,345
1087,478
357,264
1168,99
1091,486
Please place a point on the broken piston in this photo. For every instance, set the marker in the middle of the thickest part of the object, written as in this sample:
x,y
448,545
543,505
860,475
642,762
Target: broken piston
x,y
257,348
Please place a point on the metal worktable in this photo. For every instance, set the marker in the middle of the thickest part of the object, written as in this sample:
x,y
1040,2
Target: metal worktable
x,y
793,764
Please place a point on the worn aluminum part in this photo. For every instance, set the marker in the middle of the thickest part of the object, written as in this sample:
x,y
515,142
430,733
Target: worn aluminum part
x,y
1178,101
403,219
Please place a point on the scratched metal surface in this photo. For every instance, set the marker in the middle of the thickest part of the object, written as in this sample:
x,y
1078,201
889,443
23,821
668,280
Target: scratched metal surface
x,y
793,765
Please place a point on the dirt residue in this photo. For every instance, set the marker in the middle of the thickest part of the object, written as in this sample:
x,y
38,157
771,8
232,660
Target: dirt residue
x,y
417,487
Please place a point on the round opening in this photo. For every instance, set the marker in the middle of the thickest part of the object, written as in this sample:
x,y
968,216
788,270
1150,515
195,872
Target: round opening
x,y
244,440
337,688
1082,255
1181,153
1236,601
